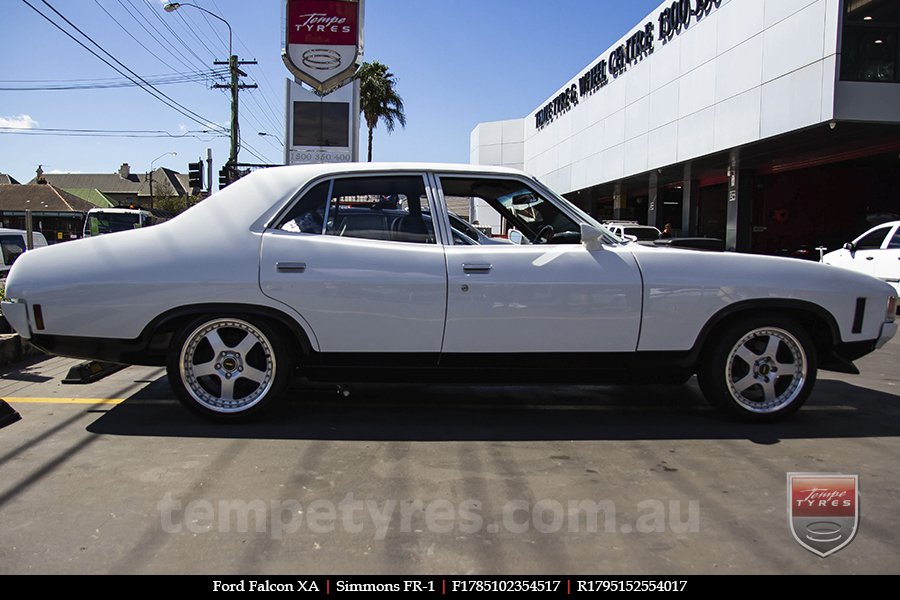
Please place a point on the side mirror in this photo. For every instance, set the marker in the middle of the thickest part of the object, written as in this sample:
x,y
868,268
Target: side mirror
x,y
591,237
850,246
515,236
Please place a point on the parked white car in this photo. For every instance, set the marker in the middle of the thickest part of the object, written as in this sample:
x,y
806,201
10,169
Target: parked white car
x,y
349,273
13,243
875,253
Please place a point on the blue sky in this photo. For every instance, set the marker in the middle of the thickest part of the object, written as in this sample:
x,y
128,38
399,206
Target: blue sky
x,y
458,62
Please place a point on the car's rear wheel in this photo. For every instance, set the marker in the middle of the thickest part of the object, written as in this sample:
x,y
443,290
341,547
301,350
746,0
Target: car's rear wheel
x,y
759,369
228,369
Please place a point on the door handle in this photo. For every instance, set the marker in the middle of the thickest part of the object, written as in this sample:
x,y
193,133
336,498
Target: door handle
x,y
870,258
290,267
476,268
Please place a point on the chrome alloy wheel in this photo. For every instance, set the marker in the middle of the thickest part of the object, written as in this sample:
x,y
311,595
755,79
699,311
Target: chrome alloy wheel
x,y
227,365
766,370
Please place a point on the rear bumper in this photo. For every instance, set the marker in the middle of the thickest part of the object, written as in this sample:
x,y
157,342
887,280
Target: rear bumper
x,y
17,315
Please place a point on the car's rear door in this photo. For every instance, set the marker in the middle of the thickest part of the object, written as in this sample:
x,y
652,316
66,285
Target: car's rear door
x,y
359,259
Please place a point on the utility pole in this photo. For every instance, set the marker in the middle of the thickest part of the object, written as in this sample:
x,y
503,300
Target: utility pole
x,y
236,86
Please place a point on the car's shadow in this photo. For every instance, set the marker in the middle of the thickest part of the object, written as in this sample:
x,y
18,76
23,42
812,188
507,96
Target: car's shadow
x,y
503,413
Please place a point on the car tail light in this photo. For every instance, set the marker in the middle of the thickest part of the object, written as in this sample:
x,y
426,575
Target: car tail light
x,y
892,309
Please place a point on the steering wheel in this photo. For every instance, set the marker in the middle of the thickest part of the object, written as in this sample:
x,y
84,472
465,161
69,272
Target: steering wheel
x,y
545,230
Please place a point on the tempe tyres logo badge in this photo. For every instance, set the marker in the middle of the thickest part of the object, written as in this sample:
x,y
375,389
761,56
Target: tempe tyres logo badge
x,y
823,510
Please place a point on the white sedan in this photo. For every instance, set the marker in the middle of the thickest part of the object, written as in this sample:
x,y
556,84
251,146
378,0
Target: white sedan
x,y
349,273
875,253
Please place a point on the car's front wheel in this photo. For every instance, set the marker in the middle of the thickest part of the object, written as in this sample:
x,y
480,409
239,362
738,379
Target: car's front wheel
x,y
228,369
759,368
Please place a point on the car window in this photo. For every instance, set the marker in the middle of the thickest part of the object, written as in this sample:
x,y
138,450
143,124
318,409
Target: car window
x,y
643,234
895,241
873,239
383,208
500,206
12,246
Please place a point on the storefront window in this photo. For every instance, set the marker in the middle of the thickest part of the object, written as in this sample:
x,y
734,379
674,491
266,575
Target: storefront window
x,y
869,48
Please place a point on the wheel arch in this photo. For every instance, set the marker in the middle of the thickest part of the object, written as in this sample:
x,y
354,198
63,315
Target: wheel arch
x,y
160,330
818,322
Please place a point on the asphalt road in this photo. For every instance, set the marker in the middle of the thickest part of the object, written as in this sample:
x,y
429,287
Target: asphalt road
x,y
115,477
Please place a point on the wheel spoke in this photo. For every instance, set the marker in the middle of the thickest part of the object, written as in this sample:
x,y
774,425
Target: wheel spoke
x,y
227,389
746,355
769,390
253,374
207,368
772,347
246,344
215,341
745,383
785,368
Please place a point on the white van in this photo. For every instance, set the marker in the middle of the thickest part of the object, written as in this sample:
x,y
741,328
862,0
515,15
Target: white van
x,y
108,220
12,245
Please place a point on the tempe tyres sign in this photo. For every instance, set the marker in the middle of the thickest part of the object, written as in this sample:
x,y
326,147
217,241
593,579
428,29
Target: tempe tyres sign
x,y
323,41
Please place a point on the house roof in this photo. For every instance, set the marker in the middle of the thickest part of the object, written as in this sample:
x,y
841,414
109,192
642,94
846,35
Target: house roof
x,y
7,179
112,183
94,196
40,198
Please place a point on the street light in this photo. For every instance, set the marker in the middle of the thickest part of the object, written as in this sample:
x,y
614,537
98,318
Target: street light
x,y
151,172
173,6
235,85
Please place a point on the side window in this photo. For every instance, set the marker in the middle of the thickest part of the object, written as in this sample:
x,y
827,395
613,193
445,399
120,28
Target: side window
x,y
12,246
505,211
308,215
895,241
873,239
385,208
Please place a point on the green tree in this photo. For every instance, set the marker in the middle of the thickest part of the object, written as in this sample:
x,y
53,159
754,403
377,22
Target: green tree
x,y
378,99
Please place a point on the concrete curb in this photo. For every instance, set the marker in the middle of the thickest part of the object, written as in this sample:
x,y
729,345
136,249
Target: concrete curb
x,y
13,349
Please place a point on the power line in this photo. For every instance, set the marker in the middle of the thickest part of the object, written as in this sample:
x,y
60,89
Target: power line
x,y
102,84
155,35
150,89
126,133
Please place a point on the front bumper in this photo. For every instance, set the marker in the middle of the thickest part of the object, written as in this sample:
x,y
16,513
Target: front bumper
x,y
888,330
17,315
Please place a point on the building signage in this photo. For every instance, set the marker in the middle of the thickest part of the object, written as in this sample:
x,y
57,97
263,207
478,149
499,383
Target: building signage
x,y
672,20
323,41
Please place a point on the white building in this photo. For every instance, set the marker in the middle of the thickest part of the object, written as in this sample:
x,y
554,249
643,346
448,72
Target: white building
x,y
768,123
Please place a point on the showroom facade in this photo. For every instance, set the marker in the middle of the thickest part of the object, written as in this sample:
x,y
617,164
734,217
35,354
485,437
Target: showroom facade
x,y
772,124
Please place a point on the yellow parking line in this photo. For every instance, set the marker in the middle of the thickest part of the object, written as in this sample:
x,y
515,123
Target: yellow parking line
x,y
64,400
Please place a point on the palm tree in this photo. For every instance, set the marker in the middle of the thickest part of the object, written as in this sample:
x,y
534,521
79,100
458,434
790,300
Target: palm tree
x,y
378,98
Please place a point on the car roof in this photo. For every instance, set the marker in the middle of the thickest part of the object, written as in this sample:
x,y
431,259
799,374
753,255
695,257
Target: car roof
x,y
375,167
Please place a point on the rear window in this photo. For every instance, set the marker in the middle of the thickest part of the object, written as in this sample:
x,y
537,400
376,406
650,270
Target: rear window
x,y
12,246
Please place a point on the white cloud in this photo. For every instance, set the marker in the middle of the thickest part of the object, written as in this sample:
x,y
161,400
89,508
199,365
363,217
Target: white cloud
x,y
18,122
62,172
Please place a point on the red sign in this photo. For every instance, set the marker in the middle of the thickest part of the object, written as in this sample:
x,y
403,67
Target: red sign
x,y
323,41
325,22
823,510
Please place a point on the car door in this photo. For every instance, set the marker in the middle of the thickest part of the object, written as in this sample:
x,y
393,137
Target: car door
x,y
867,251
886,265
534,298
359,259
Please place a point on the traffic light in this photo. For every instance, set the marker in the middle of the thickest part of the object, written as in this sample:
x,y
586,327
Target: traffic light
x,y
195,175
224,176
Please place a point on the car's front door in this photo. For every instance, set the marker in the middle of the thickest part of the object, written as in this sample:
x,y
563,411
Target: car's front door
x,y
551,296
886,265
359,259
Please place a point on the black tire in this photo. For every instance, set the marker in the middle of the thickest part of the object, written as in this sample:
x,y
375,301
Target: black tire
x,y
228,369
759,369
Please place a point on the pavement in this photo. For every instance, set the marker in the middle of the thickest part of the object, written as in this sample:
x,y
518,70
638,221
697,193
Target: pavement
x,y
116,477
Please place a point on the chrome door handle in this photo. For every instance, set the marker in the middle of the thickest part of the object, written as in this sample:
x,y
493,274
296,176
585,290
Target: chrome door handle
x,y
476,268
290,267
